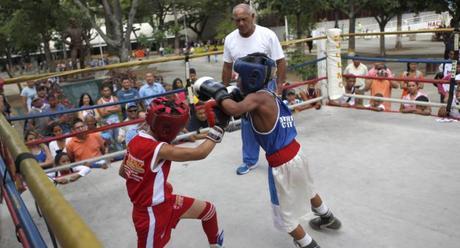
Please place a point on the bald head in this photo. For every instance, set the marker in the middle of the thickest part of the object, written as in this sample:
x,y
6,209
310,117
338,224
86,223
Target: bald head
x,y
244,8
244,18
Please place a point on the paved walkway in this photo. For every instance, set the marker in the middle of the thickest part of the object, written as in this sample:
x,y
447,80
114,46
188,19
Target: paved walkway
x,y
393,180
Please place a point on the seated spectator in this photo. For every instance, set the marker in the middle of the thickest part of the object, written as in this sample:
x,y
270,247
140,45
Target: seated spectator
x,y
70,175
41,152
150,88
446,68
358,69
42,93
411,72
382,86
126,93
28,94
5,107
86,101
109,115
57,146
421,109
413,92
292,99
346,101
192,75
198,120
64,120
132,114
177,84
455,113
40,124
86,145
443,89
377,105
311,92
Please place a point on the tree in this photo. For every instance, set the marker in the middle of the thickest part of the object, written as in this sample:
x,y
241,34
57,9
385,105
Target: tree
x,y
118,31
383,11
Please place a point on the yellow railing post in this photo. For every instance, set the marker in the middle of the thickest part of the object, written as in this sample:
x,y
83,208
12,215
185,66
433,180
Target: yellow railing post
x,y
70,230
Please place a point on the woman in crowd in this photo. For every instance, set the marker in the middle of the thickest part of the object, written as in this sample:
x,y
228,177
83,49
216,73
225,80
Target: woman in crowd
x,y
41,152
413,93
178,84
413,73
69,175
86,101
57,146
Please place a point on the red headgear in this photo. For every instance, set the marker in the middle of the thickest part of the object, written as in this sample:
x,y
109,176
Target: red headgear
x,y
167,118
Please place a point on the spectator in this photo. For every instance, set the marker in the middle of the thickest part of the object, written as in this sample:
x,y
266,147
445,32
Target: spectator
x,y
347,101
132,114
193,76
377,105
55,106
199,119
382,86
215,55
177,84
41,152
310,93
446,68
126,93
40,124
413,93
28,94
411,72
109,115
150,88
358,69
455,113
69,175
292,99
86,145
420,109
42,93
443,89
86,101
379,66
5,107
57,146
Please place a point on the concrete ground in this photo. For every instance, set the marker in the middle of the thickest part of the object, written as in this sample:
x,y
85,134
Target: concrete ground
x,y
392,179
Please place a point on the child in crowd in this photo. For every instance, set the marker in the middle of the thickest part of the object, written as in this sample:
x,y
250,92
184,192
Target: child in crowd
x,y
377,105
68,175
310,93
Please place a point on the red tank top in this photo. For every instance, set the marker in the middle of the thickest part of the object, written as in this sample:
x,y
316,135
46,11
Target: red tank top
x,y
145,181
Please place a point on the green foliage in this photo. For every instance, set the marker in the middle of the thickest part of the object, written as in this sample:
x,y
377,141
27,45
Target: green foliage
x,y
224,27
145,41
297,57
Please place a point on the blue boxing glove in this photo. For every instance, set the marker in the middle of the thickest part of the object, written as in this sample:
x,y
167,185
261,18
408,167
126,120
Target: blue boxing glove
x,y
206,88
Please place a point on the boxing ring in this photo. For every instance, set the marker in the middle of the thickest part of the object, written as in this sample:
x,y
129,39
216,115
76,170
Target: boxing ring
x,y
391,178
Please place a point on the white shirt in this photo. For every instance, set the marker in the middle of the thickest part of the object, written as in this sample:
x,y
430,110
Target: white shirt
x,y
360,71
54,147
263,40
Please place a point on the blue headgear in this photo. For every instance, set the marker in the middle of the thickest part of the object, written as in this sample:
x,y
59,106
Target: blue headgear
x,y
255,71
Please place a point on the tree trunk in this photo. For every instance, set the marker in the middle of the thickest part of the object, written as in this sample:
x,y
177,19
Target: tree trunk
x,y
351,29
298,25
110,33
176,33
48,55
382,38
336,17
124,51
398,44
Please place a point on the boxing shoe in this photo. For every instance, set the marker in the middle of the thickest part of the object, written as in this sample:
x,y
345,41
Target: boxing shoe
x,y
312,244
220,241
327,220
245,168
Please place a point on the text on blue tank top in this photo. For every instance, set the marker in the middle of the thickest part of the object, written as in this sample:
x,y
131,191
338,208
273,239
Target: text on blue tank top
x,y
283,132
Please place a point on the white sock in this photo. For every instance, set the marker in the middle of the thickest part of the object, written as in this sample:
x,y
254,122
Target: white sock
x,y
322,209
306,240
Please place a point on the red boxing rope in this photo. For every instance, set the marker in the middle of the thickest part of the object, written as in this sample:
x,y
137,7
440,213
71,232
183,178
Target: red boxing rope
x,y
311,81
103,128
434,81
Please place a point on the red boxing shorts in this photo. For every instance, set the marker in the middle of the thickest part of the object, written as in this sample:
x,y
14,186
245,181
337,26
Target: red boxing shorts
x,y
154,224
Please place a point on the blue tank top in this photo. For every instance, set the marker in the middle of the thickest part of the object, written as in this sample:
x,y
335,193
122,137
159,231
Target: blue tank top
x,y
283,132
41,156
